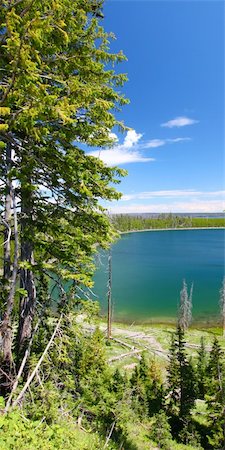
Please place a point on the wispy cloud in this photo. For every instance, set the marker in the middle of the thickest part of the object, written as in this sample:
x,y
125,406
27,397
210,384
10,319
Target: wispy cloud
x,y
178,122
154,143
166,201
125,153
175,193
159,142
181,139
130,151
116,156
193,206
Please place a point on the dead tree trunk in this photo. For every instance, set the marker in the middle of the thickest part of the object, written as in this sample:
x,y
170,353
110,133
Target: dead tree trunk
x,y
7,219
109,321
222,305
27,281
28,301
31,376
6,329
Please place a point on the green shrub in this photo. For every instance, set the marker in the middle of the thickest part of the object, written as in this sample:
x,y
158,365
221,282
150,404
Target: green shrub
x,y
19,433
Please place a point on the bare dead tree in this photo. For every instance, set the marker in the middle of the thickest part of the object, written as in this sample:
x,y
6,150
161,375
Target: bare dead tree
x,y
109,296
10,267
185,307
27,279
222,305
21,369
8,216
32,375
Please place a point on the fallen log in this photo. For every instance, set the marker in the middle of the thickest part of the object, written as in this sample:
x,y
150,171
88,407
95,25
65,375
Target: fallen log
x,y
124,355
124,344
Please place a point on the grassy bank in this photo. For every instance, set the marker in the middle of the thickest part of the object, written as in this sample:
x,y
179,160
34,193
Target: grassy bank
x,y
156,340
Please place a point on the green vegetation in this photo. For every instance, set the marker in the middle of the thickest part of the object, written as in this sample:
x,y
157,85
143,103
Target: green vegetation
x,y
79,400
58,91
59,386
125,222
18,432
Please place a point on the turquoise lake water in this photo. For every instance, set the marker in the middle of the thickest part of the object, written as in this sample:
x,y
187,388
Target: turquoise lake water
x,y
148,269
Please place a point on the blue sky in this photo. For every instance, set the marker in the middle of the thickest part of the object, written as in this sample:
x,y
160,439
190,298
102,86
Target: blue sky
x,y
174,152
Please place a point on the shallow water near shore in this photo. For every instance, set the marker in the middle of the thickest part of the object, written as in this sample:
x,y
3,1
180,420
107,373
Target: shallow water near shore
x,y
148,269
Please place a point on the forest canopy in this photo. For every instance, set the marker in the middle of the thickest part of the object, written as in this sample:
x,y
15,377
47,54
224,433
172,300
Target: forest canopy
x,y
58,90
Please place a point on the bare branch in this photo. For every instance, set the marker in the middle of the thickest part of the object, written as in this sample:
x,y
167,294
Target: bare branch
x,y
110,434
27,384
9,231
15,384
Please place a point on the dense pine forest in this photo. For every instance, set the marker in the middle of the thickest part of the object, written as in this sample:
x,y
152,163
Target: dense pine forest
x,y
126,222
59,91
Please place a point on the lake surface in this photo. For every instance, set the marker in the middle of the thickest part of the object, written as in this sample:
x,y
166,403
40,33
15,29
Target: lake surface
x,y
148,269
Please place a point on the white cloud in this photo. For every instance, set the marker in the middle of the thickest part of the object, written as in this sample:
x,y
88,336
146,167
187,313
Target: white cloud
x,y
175,193
159,142
178,122
130,151
131,139
194,206
118,155
179,139
154,143
166,201
113,136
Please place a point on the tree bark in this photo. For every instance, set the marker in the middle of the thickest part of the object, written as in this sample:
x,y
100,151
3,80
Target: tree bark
x,y
7,219
28,301
6,328
27,281
109,320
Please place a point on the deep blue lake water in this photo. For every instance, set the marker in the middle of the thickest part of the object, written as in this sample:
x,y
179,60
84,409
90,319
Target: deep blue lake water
x,y
148,269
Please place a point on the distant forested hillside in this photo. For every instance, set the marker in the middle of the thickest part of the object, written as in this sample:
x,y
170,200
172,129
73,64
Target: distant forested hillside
x,y
126,222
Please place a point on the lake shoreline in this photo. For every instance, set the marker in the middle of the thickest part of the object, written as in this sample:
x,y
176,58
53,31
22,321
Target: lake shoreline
x,y
170,323
148,270
172,229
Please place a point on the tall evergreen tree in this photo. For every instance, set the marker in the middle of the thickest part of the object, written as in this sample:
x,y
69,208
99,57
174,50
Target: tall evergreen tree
x,y
216,397
181,379
58,90
155,389
201,370
147,387
138,391
161,432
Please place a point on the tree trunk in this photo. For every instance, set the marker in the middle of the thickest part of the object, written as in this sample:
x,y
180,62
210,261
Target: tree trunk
x,y
28,301
109,321
27,281
7,219
6,329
